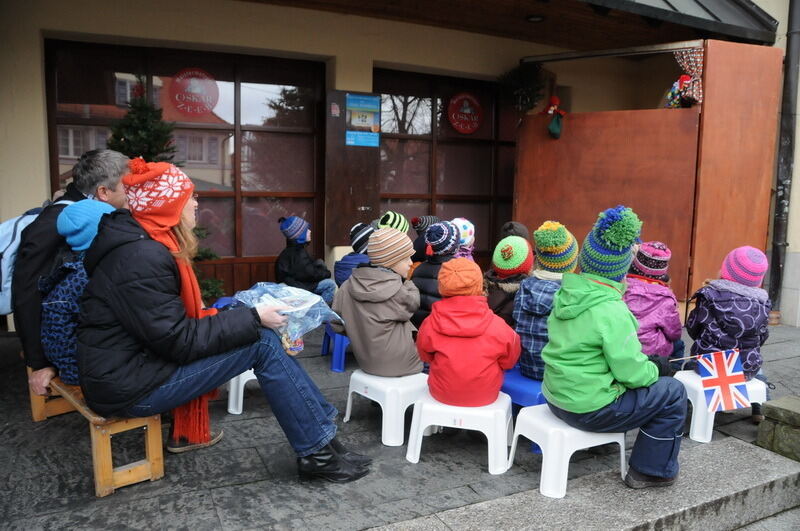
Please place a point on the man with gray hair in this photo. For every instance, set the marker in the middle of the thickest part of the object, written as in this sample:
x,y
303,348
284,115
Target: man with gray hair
x,y
96,176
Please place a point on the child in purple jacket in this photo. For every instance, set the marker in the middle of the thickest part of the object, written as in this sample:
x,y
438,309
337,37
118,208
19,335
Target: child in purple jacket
x,y
651,301
733,312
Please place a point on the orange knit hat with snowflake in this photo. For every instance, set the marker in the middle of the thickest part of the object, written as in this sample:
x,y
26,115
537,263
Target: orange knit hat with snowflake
x,y
157,193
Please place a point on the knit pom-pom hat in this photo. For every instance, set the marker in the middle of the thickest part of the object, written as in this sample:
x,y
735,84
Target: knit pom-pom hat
x,y
512,256
388,247
78,222
421,223
460,276
294,228
606,251
359,237
393,220
652,261
156,192
442,239
556,248
466,231
745,265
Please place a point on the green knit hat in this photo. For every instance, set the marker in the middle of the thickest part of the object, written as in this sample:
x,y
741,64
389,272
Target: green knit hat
x,y
606,251
393,220
512,256
556,248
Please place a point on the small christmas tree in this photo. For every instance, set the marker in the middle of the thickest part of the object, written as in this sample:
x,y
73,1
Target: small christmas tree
x,y
211,289
142,132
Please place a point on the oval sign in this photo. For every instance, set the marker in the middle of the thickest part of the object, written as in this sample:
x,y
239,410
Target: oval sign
x,y
464,113
194,91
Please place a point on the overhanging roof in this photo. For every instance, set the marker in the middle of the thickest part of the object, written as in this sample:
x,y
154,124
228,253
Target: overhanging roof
x,y
572,24
736,18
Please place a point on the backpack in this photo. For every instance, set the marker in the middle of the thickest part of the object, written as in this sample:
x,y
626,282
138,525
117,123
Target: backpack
x,y
10,237
61,292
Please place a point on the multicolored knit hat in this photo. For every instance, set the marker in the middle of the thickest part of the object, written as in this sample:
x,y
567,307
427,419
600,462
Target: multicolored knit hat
x,y
460,276
294,228
466,231
745,265
421,223
652,261
606,251
512,256
388,247
393,220
442,238
556,248
359,236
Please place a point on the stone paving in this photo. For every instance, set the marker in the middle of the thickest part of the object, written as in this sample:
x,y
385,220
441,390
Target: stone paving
x,y
248,481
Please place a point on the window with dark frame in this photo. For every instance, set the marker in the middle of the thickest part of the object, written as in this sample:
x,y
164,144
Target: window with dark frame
x,y
427,167
256,156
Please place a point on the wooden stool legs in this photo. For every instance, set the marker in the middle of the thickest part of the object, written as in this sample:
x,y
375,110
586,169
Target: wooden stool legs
x,y
44,407
106,477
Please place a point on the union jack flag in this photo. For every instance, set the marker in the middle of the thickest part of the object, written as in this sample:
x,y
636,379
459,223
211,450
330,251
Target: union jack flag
x,y
723,380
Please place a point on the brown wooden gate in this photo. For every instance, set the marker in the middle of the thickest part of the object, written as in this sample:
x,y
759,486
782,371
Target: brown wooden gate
x,y
642,159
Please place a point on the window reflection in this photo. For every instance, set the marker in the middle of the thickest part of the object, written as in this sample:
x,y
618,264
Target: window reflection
x,y
404,166
277,105
206,157
273,162
407,115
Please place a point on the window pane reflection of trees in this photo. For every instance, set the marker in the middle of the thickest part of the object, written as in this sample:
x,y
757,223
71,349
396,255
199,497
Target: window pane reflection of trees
x,y
277,105
405,115
273,162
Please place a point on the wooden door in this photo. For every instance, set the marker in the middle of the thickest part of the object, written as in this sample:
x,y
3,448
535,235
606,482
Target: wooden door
x,y
644,159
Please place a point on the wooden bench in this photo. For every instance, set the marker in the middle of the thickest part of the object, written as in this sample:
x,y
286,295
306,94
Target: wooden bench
x,y
107,478
44,407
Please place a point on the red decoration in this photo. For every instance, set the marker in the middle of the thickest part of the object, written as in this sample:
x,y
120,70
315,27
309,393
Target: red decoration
x,y
194,91
465,113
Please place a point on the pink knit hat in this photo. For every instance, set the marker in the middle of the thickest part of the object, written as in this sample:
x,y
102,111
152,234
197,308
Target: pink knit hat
x,y
745,265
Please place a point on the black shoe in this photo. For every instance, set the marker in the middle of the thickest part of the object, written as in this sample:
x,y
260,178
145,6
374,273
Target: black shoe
x,y
347,455
329,465
636,480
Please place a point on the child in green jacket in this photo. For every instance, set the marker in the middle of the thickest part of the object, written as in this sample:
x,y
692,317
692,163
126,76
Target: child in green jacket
x,y
596,377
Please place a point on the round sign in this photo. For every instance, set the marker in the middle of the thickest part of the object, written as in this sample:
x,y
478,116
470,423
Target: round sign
x,y
464,113
193,91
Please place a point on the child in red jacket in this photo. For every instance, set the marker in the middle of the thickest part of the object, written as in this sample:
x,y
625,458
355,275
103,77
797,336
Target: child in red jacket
x,y
467,345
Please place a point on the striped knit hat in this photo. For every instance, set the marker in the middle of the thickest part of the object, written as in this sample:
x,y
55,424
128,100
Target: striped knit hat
x,y
389,246
606,251
421,223
393,220
512,256
442,238
359,236
652,261
466,231
745,265
556,248
294,228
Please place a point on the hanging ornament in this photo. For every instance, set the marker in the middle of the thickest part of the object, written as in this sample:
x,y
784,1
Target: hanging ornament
x,y
556,122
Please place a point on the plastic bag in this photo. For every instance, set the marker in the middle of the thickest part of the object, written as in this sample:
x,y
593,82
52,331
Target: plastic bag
x,y
305,313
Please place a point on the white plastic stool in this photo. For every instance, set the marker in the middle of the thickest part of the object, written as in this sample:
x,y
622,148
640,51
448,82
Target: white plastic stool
x,y
558,441
702,425
393,394
236,391
493,420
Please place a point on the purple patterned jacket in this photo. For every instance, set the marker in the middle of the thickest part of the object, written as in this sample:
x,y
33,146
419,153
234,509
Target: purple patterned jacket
x,y
730,315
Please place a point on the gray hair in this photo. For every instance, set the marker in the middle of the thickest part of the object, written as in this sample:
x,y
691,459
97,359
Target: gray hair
x,y
99,167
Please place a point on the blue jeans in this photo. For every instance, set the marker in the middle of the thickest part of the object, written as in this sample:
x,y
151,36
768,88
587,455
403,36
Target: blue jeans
x,y
302,412
325,289
659,411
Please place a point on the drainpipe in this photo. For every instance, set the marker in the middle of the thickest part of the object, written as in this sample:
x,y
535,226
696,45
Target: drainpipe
x,y
785,154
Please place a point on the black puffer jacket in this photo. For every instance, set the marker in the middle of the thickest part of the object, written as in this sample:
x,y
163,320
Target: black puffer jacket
x,y
426,278
134,331
296,268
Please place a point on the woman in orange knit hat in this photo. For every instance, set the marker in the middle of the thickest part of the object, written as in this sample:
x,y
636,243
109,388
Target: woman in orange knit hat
x,y
146,345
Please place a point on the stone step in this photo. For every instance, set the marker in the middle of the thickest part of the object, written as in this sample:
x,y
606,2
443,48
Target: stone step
x,y
725,484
